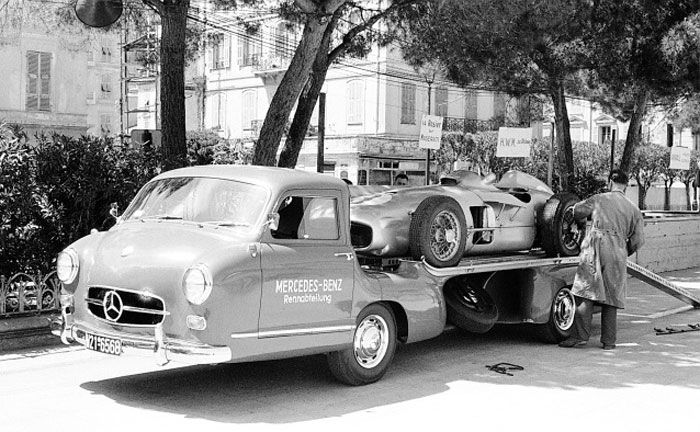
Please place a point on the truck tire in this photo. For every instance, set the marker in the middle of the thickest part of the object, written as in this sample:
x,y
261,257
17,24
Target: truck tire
x,y
373,347
559,233
469,308
561,318
438,232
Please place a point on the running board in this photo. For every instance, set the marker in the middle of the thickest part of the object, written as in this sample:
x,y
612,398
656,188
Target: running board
x,y
651,278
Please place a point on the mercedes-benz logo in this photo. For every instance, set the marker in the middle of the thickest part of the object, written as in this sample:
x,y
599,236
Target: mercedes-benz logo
x,y
112,306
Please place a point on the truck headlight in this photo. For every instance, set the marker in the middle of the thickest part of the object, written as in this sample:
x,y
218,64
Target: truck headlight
x,y
197,284
67,265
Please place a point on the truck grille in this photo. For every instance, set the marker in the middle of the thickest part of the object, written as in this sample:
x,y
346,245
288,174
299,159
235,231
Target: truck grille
x,y
125,307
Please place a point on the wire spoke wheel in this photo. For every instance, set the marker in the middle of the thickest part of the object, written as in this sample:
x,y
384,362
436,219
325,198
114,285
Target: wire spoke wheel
x,y
445,232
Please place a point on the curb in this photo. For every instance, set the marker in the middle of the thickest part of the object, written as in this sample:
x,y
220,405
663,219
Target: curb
x,y
20,333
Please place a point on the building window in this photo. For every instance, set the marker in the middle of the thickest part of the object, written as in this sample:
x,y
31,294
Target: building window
x,y
106,54
408,103
249,112
606,134
38,81
441,101
105,124
249,48
221,52
283,41
355,99
106,85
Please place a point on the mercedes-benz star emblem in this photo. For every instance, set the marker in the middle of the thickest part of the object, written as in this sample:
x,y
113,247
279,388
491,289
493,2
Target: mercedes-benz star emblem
x,y
112,306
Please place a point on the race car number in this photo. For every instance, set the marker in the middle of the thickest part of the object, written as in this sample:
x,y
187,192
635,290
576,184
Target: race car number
x,y
103,344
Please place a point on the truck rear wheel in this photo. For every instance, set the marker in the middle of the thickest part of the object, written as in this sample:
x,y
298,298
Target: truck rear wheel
x,y
561,318
438,232
560,234
469,308
373,347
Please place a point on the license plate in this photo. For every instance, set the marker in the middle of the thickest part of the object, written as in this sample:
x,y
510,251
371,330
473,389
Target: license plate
x,y
103,344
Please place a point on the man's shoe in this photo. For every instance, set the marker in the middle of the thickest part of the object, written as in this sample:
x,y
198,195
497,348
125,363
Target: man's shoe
x,y
571,343
608,347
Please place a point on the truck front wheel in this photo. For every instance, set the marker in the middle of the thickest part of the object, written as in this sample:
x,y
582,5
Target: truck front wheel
x,y
561,317
373,346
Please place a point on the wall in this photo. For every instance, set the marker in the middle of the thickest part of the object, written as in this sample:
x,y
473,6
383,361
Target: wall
x,y
671,244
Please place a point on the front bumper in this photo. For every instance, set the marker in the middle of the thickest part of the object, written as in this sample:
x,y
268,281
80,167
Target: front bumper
x,y
162,348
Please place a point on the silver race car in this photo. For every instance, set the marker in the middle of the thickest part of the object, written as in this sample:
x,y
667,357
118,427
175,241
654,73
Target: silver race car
x,y
466,214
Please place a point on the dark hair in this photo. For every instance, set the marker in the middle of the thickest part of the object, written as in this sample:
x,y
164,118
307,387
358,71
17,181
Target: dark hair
x,y
402,175
618,176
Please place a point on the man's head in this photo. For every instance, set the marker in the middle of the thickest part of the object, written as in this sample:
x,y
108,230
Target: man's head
x,y
618,179
401,180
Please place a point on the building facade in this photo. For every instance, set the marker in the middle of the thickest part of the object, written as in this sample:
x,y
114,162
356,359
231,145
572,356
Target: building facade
x,y
57,79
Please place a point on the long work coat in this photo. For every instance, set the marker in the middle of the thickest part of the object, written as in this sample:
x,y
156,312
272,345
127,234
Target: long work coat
x,y
616,231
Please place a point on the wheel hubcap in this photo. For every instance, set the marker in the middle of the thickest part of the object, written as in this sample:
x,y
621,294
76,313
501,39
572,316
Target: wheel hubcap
x,y
445,232
371,341
564,309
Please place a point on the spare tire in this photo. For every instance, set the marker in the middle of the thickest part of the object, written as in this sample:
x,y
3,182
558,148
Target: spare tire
x,y
438,232
559,233
469,308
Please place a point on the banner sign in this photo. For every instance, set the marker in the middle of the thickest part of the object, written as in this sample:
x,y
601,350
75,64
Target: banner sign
x,y
680,158
514,142
430,132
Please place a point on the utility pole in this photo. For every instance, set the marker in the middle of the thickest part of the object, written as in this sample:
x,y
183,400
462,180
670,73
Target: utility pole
x,y
550,162
429,80
321,131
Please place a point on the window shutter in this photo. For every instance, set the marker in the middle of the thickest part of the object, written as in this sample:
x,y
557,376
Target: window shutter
x,y
45,78
32,102
241,50
227,51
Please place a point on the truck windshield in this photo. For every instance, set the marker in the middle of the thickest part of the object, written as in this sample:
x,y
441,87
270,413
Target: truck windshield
x,y
199,199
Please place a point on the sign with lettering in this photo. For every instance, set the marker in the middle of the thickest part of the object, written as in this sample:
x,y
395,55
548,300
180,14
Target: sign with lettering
x,y
430,132
680,158
514,142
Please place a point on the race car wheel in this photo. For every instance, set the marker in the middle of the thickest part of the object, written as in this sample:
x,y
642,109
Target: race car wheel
x,y
561,318
438,232
469,308
560,234
373,347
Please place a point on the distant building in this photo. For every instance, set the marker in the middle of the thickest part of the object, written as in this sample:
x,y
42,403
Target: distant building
x,y
57,79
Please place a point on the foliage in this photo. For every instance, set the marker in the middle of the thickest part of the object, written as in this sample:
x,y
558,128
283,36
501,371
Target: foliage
x,y
207,147
478,151
649,161
56,191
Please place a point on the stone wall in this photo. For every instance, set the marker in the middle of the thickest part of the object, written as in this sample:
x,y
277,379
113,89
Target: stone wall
x,y
672,243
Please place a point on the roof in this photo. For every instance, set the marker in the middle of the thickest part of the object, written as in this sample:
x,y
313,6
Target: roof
x,y
272,177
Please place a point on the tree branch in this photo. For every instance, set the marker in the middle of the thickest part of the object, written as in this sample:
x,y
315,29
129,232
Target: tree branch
x,y
155,4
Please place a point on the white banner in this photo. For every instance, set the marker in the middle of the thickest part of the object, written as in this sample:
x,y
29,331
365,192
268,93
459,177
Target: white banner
x,y
430,132
514,142
680,158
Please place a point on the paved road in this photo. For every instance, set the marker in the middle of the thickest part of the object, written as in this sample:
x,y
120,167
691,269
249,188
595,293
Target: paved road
x,y
650,383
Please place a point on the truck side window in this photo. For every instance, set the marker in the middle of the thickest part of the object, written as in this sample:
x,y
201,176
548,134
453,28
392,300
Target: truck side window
x,y
309,218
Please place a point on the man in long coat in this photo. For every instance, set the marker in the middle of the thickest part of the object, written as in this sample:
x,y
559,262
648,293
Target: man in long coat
x,y
616,231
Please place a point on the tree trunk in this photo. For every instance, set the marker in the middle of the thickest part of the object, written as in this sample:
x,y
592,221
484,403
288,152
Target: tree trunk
x,y
288,91
667,196
633,133
172,83
307,102
642,194
563,135
688,202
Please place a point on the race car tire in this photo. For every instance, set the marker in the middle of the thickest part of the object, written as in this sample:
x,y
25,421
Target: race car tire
x,y
560,234
373,347
469,308
561,318
438,232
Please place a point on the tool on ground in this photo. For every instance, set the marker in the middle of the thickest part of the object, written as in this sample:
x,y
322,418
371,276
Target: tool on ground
x,y
504,368
677,329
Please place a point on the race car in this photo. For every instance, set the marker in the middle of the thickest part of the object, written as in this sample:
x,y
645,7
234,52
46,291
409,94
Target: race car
x,y
466,214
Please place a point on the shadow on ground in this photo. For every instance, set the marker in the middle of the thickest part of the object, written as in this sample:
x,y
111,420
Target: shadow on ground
x,y
302,389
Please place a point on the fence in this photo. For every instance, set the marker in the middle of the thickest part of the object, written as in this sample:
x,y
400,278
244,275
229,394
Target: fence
x,y
24,294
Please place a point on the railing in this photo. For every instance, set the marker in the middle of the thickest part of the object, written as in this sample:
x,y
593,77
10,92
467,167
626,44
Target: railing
x,y
24,294
460,124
